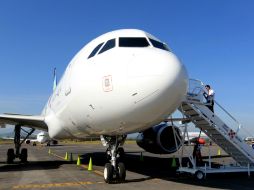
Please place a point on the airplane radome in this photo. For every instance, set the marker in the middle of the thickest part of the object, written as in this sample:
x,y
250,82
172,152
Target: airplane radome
x,y
122,82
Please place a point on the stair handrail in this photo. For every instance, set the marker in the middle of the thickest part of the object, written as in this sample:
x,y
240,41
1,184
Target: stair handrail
x,y
239,124
197,87
202,87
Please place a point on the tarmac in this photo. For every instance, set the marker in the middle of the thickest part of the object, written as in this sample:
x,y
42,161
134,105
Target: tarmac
x,y
151,171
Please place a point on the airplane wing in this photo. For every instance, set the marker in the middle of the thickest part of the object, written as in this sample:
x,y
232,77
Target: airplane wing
x,y
32,121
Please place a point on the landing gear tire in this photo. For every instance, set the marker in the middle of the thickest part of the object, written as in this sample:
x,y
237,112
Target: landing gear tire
x,y
121,172
108,173
199,175
23,155
10,155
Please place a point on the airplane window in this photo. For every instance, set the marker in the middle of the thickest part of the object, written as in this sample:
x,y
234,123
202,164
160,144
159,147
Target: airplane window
x,y
133,42
159,45
109,45
95,50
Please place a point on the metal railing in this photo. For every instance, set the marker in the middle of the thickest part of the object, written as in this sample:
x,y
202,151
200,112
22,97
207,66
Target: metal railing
x,y
196,90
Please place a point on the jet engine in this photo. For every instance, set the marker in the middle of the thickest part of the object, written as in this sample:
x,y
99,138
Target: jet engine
x,y
159,139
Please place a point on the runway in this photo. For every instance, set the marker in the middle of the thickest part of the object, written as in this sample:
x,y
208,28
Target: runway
x,y
51,171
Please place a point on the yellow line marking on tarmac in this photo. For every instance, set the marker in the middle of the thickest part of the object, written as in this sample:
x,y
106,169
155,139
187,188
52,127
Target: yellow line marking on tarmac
x,y
48,185
57,156
95,171
82,165
98,172
66,184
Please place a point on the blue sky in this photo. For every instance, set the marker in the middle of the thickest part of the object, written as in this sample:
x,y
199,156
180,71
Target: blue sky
x,y
213,38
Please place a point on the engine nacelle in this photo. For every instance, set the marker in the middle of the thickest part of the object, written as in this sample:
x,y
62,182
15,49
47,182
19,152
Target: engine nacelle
x,y
159,139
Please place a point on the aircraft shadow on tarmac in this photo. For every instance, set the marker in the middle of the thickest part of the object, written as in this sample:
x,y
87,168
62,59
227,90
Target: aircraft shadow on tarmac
x,y
160,168
31,165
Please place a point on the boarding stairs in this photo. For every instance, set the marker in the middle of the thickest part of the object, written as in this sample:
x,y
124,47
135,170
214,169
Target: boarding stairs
x,y
227,137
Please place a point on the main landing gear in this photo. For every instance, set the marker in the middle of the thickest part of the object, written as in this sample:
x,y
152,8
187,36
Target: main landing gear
x,y
22,155
114,171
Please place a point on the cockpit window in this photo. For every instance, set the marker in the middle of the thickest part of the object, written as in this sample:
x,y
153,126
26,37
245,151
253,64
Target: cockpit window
x,y
133,42
109,45
95,50
159,45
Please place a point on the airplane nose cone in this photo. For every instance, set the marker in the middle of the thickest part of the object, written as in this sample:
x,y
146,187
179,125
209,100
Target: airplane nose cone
x,y
172,81
161,71
160,82
174,77
154,63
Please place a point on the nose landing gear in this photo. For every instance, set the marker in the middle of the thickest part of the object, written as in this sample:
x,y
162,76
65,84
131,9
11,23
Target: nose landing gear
x,y
115,170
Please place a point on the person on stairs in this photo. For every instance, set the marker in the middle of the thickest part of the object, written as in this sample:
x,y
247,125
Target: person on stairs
x,y
209,96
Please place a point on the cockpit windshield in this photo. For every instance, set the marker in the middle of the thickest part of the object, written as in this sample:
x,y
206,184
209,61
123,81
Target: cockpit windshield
x,y
159,45
127,42
133,42
109,45
96,49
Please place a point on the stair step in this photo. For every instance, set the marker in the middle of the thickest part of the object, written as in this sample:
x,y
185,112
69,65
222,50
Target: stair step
x,y
222,141
205,127
191,112
201,122
196,118
208,132
218,138
214,133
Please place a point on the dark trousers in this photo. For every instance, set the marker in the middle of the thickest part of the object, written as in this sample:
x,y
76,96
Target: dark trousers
x,y
210,106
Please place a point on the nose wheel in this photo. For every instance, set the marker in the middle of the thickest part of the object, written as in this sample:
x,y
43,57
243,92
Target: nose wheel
x,y
121,172
108,173
112,174
114,171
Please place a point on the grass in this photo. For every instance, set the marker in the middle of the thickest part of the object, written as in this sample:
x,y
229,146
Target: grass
x,y
90,142
3,141
69,141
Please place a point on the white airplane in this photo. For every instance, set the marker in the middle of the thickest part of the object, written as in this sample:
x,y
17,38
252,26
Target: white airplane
x,y
42,138
122,82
